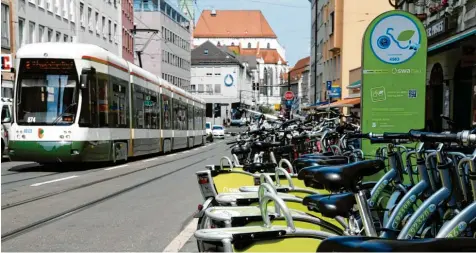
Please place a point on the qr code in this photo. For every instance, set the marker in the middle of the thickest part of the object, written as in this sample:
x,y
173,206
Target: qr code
x,y
412,93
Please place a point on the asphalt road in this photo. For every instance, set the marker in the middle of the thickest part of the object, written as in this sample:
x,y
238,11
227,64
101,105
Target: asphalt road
x,y
149,206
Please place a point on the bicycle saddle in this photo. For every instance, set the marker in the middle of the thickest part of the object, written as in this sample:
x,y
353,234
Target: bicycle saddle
x,y
371,244
261,145
331,205
302,163
346,176
283,150
240,150
306,175
322,157
259,167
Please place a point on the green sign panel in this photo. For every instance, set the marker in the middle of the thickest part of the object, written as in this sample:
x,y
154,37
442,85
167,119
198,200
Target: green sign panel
x,y
394,54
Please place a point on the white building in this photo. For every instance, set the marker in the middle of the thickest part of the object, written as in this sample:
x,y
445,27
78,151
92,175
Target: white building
x,y
246,32
97,22
168,52
222,79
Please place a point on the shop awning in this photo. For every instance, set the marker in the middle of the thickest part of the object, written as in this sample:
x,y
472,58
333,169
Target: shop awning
x,y
355,85
453,39
348,102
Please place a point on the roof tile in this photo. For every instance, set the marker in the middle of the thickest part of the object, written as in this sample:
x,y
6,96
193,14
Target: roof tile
x,y
233,24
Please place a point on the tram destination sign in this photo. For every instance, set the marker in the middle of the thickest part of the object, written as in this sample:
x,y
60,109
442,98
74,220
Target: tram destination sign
x,y
38,65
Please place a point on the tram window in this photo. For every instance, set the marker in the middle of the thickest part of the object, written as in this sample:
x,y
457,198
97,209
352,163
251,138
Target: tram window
x,y
166,112
89,106
6,113
103,94
118,116
176,106
183,114
154,112
138,98
190,117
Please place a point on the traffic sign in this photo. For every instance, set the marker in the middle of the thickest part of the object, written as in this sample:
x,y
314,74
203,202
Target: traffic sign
x,y
289,95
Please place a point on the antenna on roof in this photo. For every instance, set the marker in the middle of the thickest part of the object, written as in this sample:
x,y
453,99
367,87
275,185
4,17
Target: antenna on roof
x,y
214,12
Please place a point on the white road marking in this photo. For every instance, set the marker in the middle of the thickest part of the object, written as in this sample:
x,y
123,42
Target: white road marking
x,y
171,155
178,242
150,159
185,152
52,181
117,167
195,149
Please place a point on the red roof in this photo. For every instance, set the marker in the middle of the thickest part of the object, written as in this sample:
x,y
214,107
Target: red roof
x,y
297,70
233,24
269,56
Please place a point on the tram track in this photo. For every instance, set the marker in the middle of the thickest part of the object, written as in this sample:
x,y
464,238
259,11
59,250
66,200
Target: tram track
x,y
55,193
34,225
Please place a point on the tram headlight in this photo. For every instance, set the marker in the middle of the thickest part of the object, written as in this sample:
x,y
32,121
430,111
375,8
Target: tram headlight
x,y
67,136
61,136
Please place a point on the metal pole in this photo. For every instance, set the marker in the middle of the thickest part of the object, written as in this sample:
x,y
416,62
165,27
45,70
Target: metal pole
x,y
315,54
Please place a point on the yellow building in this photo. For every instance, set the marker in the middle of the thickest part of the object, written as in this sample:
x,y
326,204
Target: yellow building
x,y
339,28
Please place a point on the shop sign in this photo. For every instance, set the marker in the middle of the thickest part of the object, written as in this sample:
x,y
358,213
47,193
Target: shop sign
x,y
437,28
7,62
394,59
335,92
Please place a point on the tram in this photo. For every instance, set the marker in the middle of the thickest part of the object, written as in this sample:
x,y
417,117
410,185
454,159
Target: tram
x,y
80,103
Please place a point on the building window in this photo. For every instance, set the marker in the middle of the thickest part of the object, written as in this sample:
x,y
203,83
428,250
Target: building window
x,y
72,11
104,26
57,7
65,9
5,26
233,43
31,34
109,29
58,37
217,88
249,45
81,15
97,22
50,35
115,33
205,52
268,46
331,19
65,38
49,5
218,44
21,30
41,4
41,33
90,19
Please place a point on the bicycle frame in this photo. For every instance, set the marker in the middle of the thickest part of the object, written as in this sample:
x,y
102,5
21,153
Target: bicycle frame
x,y
459,223
430,205
409,199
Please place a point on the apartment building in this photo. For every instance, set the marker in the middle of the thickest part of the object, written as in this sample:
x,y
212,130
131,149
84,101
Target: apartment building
x,y
127,26
96,22
8,48
168,52
451,64
338,29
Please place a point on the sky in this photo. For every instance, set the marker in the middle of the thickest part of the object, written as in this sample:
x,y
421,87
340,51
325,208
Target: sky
x,y
289,19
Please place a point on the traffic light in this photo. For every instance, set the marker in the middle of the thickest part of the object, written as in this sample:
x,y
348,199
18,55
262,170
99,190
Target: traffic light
x,y
255,86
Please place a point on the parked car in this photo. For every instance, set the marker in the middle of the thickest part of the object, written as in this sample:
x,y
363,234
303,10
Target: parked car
x,y
208,131
218,131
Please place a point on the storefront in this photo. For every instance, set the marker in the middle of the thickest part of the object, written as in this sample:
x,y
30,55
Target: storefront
x,y
8,76
451,76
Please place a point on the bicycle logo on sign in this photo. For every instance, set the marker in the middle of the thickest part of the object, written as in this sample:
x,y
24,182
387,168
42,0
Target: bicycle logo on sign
x,y
395,39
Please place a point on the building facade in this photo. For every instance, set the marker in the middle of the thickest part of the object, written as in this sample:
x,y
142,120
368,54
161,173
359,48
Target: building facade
x,y
246,32
222,79
82,21
8,48
338,29
168,52
300,84
127,26
451,65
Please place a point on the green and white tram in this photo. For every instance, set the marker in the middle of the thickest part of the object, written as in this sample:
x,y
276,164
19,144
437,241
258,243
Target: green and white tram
x,y
81,103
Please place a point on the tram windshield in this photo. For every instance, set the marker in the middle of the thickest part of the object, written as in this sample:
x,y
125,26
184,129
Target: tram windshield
x,y
47,92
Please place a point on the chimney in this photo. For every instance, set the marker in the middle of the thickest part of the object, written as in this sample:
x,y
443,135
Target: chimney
x,y
213,13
